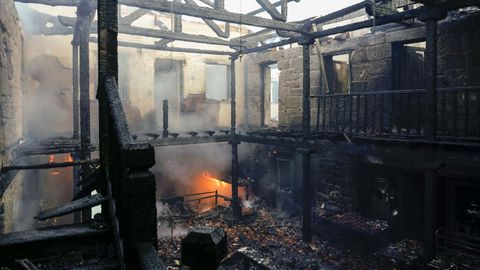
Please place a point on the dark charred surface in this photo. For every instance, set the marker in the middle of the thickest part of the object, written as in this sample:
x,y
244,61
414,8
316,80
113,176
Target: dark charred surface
x,y
275,238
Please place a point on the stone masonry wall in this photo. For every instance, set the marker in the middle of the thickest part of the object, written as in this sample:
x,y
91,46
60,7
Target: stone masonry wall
x,y
371,70
11,70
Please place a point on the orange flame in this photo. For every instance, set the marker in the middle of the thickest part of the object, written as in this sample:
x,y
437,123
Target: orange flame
x,y
51,158
218,182
55,173
68,158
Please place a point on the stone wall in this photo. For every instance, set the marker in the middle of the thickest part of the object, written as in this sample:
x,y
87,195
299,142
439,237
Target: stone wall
x,y
371,64
11,73
371,70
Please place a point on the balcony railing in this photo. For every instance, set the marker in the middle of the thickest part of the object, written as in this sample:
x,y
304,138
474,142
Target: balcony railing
x,y
399,112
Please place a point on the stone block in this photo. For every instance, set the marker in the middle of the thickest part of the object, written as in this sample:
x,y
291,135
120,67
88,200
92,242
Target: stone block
x,y
380,67
380,83
358,86
381,51
358,56
360,71
283,64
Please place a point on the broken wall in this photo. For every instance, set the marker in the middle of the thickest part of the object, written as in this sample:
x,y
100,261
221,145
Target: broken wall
x,y
11,74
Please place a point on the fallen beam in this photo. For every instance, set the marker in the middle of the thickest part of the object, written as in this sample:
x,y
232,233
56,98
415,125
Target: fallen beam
x,y
74,206
48,165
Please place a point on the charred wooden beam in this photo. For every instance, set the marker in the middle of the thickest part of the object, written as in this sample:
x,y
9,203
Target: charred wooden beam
x,y
135,15
210,23
276,4
431,172
165,118
307,183
71,207
208,13
270,45
272,10
214,26
24,244
401,16
75,88
164,48
235,204
50,165
139,31
189,140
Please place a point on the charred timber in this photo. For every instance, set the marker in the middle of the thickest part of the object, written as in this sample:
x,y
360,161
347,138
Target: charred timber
x,y
189,140
48,165
157,33
165,48
272,10
71,207
208,13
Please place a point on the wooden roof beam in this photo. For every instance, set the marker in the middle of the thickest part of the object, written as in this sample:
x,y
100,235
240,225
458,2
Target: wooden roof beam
x,y
272,10
155,33
164,48
208,13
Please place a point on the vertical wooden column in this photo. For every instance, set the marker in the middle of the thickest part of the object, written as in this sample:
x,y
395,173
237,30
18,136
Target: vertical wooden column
x,y
307,185
431,168
165,118
76,122
75,100
84,16
237,210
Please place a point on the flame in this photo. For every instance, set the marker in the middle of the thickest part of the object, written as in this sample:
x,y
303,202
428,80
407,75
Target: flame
x,y
208,182
218,182
51,158
55,173
68,158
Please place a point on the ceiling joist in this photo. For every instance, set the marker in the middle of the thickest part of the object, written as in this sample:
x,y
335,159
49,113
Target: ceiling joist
x,y
155,33
272,10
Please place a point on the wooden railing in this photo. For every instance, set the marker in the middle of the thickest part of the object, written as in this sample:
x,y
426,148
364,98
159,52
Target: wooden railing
x,y
399,112
130,186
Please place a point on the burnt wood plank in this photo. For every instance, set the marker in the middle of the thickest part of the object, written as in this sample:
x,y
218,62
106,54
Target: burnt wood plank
x,y
74,206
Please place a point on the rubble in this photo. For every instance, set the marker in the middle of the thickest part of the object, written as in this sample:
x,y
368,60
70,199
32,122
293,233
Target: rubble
x,y
271,237
405,254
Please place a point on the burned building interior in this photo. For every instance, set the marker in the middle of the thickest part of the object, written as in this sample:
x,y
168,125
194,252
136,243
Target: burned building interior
x,y
239,134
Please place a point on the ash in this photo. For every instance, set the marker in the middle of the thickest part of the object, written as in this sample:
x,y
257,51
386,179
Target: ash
x,y
272,239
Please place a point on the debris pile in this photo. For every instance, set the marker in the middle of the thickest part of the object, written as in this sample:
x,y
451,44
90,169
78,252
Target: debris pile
x,y
405,254
272,237
353,220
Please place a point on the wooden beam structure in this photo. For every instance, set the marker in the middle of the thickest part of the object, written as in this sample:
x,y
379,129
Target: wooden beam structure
x,y
213,25
155,33
165,48
272,10
208,13
135,15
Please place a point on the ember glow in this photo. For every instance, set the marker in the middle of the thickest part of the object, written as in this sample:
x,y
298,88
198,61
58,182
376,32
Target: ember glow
x,y
208,182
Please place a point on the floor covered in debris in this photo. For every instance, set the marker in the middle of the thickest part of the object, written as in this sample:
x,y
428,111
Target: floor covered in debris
x,y
272,240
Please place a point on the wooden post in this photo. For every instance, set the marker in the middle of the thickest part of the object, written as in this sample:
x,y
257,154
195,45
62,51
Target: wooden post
x,y
430,203
76,122
237,210
165,118
307,185
84,13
